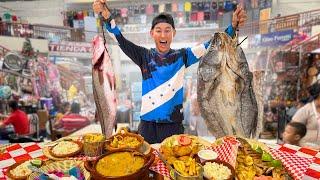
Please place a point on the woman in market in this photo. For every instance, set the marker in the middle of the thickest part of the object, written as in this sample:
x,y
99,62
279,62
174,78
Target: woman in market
x,y
73,120
162,70
18,119
309,115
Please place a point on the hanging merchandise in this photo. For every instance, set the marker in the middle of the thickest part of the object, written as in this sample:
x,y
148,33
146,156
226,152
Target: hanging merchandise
x,y
136,10
85,13
214,5
72,92
13,61
7,17
168,7
142,9
194,16
181,7
228,6
207,16
206,6
200,16
187,6
5,92
156,8
79,15
201,6
194,6
14,18
180,18
162,8
26,85
174,7
124,12
12,81
78,24
143,19
149,9
220,8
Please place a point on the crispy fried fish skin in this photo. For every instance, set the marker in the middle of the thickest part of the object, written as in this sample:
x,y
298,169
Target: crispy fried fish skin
x,y
225,89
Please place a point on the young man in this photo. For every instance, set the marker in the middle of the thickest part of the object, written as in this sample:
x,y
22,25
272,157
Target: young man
x,y
18,119
162,70
293,133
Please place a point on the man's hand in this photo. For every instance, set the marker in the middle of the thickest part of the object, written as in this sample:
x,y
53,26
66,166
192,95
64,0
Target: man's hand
x,y
239,17
98,7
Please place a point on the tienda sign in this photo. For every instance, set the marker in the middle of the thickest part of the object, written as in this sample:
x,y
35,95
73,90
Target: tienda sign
x,y
73,47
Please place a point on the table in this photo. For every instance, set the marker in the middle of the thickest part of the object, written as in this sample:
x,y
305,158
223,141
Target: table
x,y
24,151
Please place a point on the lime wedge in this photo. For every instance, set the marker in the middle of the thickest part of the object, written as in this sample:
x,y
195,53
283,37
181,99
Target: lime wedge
x,y
36,162
276,163
259,150
266,157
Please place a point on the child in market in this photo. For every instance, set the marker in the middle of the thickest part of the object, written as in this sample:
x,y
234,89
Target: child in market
x,y
293,133
162,69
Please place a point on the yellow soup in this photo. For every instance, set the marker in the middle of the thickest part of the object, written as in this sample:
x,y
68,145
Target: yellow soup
x,y
119,164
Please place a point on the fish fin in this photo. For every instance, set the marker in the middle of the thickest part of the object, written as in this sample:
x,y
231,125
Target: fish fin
x,y
100,75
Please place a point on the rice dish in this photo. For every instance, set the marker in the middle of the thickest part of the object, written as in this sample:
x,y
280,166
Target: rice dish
x,y
216,171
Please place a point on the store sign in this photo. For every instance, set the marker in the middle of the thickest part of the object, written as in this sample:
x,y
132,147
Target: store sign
x,y
276,38
76,47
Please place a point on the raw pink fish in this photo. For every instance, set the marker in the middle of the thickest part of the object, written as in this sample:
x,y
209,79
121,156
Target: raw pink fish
x,y
104,90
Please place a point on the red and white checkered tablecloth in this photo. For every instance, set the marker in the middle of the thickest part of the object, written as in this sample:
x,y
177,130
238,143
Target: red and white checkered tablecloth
x,y
302,163
25,151
18,153
160,167
226,152
305,155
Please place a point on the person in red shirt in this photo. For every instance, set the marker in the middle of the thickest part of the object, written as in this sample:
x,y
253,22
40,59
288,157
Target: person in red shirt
x,y
74,120
18,119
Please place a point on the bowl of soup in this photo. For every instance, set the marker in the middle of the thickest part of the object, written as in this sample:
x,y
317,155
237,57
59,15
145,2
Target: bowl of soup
x,y
120,164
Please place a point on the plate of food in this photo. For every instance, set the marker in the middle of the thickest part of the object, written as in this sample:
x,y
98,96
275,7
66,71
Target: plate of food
x,y
254,161
63,149
21,171
124,140
66,169
216,169
180,152
120,164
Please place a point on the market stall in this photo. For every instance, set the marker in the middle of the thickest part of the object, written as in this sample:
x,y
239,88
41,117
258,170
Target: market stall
x,y
85,152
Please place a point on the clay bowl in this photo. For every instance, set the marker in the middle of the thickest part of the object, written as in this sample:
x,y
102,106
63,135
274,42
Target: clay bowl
x,y
67,155
139,137
232,176
140,174
11,176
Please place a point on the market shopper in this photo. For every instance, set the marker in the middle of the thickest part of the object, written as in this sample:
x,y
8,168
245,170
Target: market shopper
x,y
18,119
309,115
293,133
162,70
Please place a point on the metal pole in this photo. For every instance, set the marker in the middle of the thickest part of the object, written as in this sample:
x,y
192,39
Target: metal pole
x,y
299,73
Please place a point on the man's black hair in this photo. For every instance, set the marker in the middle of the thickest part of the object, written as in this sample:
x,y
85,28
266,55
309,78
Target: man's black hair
x,y
75,108
314,90
13,105
163,18
300,128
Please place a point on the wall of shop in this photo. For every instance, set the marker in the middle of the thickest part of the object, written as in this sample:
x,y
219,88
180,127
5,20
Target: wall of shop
x,y
36,12
15,44
287,7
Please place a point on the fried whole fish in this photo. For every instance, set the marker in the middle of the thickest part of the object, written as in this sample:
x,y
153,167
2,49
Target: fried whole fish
x,y
104,92
225,92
